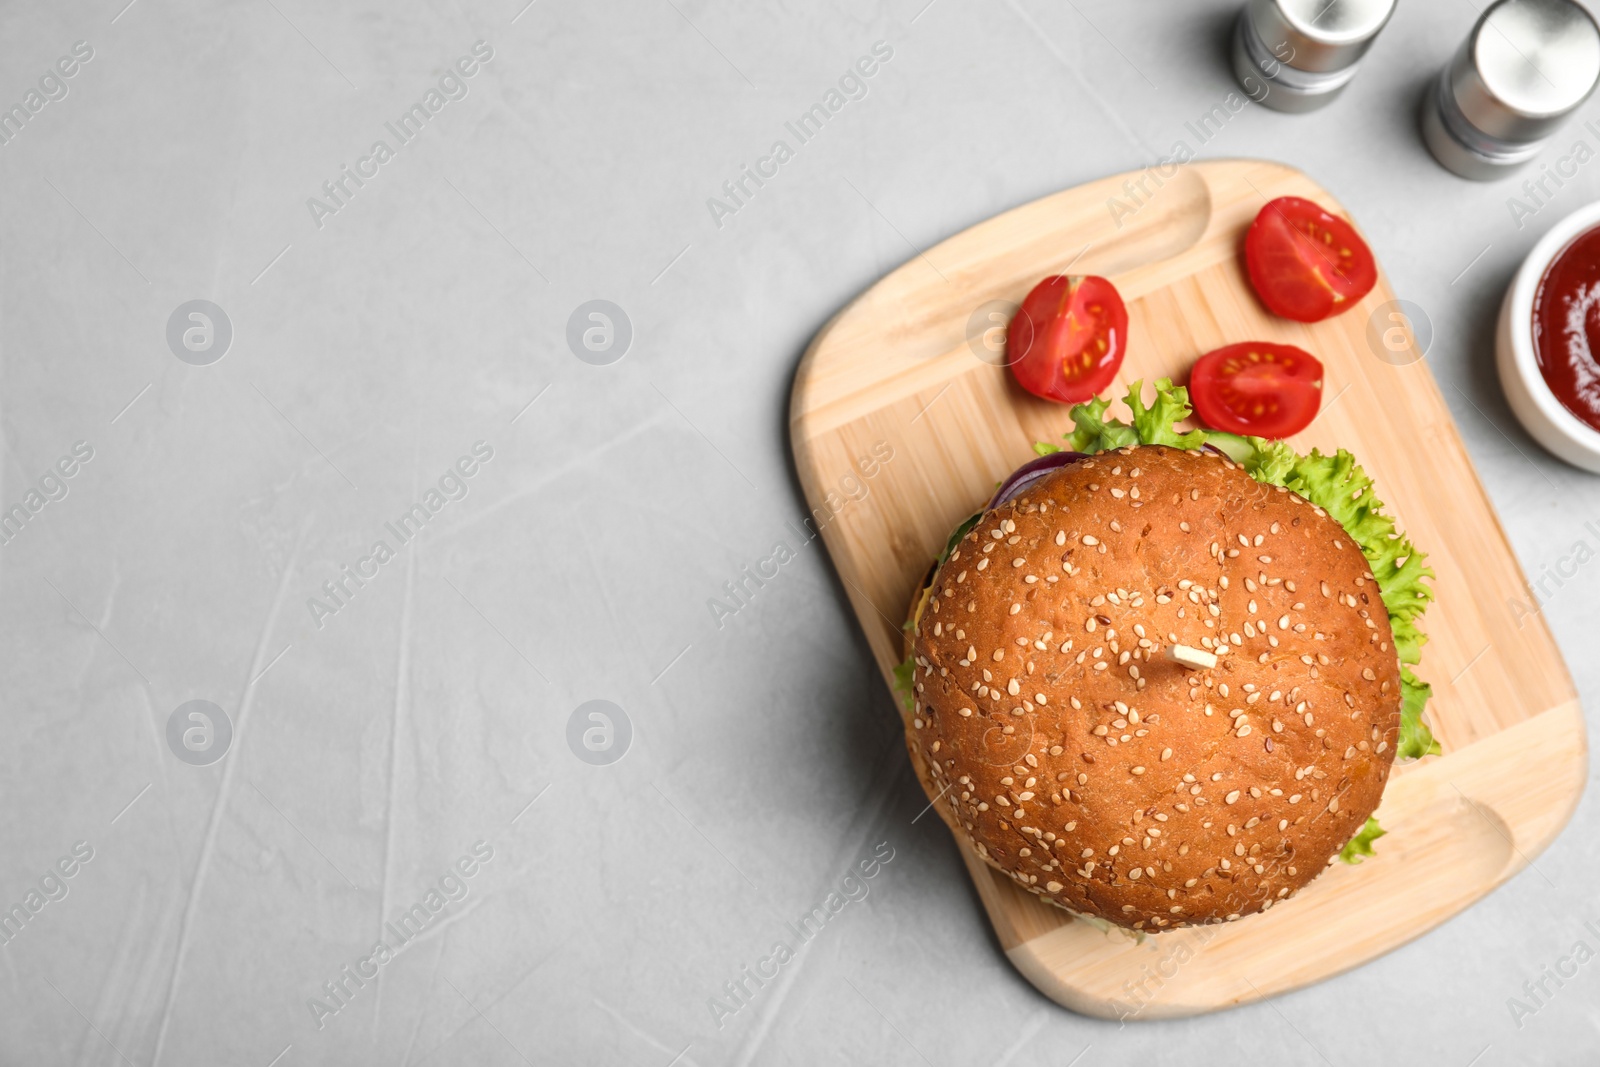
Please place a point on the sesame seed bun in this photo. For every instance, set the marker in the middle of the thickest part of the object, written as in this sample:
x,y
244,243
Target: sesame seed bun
x,y
1054,731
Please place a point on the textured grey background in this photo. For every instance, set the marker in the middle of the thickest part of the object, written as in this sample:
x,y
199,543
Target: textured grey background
x,y
368,354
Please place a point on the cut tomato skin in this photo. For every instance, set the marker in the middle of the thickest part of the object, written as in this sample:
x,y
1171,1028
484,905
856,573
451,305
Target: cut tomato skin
x,y
1305,263
1068,338
1257,388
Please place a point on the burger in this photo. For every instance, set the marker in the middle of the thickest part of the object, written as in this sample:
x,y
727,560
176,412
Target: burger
x,y
1160,680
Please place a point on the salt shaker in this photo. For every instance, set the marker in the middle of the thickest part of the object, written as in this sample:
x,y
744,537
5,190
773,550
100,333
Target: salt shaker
x,y
1523,69
1297,55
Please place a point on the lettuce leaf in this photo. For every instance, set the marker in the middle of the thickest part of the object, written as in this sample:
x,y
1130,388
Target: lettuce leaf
x,y
1154,424
904,680
1360,845
1095,432
1416,740
1335,483
957,534
1270,461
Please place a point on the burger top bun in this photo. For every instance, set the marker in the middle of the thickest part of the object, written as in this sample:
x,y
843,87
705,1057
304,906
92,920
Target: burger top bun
x,y
1055,732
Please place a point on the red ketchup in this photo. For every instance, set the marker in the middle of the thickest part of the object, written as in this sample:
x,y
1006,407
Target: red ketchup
x,y
1566,326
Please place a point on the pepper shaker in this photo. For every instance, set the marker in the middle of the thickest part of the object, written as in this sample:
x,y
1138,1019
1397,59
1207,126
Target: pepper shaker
x,y
1297,55
1523,69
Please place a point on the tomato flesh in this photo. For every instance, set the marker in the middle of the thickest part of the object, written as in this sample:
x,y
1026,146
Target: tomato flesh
x,y
1257,388
1305,263
1068,338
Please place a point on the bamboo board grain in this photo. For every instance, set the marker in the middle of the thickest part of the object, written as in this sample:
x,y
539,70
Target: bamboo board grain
x,y
896,368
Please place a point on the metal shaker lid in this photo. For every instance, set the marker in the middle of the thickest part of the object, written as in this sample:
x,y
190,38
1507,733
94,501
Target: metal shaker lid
x,y
1526,65
1318,35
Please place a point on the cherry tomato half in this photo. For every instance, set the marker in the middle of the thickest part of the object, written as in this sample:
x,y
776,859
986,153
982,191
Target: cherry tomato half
x,y
1257,388
1068,338
1305,263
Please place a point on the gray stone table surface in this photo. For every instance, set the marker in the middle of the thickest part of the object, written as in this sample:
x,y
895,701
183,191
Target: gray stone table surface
x,y
400,758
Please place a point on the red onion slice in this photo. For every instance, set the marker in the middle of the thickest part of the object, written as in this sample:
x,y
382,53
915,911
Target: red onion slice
x,y
1031,472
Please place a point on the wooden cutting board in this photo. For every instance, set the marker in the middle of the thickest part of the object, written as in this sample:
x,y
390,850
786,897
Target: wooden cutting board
x,y
904,371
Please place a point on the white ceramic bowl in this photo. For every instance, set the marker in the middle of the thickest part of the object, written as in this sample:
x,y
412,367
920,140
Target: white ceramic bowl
x,y
1546,418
